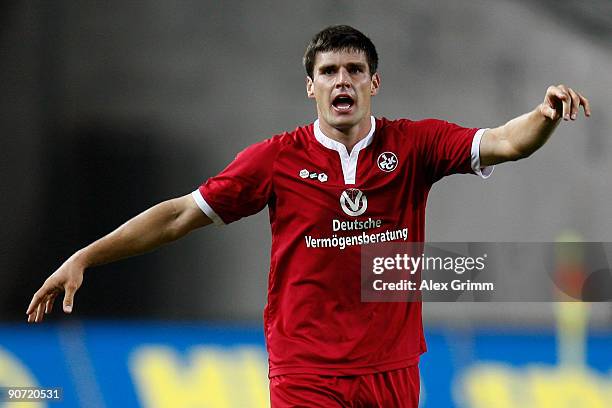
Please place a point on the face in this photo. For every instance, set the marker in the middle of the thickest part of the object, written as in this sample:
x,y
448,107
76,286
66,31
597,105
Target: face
x,y
343,88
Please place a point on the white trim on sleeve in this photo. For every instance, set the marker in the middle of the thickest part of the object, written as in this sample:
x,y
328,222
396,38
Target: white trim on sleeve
x,y
484,172
206,208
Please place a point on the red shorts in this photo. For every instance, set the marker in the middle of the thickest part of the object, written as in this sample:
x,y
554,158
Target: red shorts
x,y
396,389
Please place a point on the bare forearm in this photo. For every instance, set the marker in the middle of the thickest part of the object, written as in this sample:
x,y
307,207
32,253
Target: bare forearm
x,y
522,136
160,224
526,133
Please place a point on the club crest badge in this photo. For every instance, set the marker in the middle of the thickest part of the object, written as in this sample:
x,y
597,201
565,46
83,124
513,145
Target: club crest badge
x,y
387,161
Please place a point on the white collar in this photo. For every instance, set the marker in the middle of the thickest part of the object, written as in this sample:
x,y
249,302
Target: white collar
x,y
348,161
339,147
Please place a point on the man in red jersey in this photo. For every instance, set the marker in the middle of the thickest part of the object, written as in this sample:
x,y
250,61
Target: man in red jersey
x,y
346,180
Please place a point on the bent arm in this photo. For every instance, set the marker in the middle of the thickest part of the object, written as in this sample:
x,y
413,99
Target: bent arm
x,y
160,224
523,135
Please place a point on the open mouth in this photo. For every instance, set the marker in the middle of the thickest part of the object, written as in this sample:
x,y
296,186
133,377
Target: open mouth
x,y
343,103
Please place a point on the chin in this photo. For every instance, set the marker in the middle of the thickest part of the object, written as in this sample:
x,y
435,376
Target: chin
x,y
343,123
343,126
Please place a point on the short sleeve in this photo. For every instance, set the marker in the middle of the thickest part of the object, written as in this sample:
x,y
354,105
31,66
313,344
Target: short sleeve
x,y
448,149
243,188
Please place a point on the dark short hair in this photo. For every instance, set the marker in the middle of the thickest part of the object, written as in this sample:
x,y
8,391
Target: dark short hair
x,y
340,38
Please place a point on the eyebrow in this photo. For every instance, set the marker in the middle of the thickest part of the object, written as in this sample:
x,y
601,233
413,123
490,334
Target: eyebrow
x,y
359,65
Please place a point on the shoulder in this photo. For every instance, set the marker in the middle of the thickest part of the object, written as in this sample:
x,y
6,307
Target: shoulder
x,y
273,146
409,129
409,125
300,137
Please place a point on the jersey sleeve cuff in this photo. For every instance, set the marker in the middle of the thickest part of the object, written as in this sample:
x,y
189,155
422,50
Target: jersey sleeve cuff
x,y
206,208
484,172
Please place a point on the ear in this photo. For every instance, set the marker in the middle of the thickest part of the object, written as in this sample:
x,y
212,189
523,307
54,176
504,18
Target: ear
x,y
310,88
374,84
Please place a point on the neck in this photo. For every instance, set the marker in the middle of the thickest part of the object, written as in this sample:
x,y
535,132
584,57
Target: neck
x,y
350,136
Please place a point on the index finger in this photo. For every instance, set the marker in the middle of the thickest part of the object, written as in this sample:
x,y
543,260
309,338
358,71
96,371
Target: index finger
x,y
559,92
564,95
36,299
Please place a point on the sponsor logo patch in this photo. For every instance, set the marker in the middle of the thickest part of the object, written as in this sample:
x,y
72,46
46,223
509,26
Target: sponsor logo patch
x,y
313,175
353,202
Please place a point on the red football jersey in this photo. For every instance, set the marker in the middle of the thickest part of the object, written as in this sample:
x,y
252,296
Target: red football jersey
x,y
325,202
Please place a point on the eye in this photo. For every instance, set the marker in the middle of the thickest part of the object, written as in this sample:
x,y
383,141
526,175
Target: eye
x,y
355,70
328,71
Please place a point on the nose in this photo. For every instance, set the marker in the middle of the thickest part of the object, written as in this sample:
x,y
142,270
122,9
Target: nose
x,y
343,79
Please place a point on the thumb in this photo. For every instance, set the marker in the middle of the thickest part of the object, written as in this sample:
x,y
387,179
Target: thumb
x,y
69,299
549,111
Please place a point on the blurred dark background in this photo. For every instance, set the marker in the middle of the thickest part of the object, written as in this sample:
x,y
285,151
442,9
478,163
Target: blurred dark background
x,y
110,107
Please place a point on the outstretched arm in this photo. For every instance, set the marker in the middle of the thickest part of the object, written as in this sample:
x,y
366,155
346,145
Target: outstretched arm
x,y
522,136
160,224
